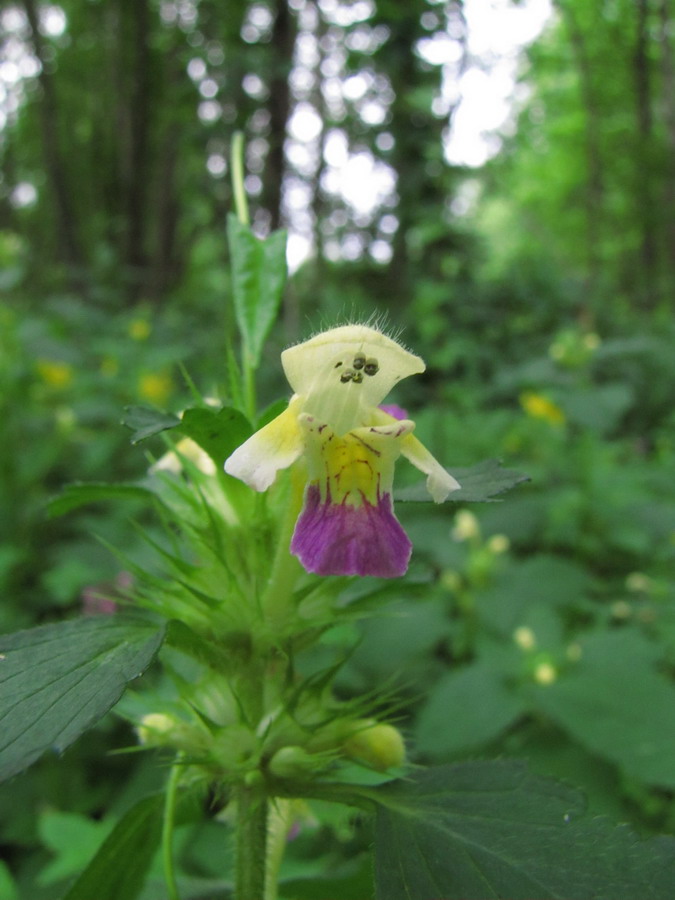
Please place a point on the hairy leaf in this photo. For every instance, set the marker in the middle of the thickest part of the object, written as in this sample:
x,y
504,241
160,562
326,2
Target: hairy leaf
x,y
492,830
56,681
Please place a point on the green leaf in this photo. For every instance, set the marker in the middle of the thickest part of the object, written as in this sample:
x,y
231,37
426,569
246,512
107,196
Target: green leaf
x,y
479,484
73,838
490,829
147,422
466,709
56,681
79,494
218,432
119,869
258,279
616,703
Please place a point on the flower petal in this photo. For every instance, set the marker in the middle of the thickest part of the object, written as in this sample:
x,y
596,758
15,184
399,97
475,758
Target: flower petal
x,y
439,482
347,525
342,539
276,446
344,372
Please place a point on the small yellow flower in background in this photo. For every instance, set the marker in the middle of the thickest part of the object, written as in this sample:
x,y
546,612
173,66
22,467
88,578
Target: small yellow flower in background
x,y
537,406
466,526
545,673
109,366
54,373
155,386
638,583
525,638
498,543
139,329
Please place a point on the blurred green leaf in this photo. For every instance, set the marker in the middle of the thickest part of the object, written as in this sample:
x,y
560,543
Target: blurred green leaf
x,y
491,829
73,838
119,869
78,494
478,484
464,710
258,279
616,703
218,432
146,422
59,680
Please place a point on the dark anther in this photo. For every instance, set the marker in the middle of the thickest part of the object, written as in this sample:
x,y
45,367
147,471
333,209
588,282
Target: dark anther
x,y
347,375
359,361
357,377
371,366
337,365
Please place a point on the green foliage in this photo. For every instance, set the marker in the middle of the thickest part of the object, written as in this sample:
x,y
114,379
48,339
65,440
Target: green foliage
x,y
490,829
61,679
120,866
258,279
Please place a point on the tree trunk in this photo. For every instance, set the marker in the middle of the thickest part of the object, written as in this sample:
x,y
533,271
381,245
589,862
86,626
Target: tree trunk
x,y
55,168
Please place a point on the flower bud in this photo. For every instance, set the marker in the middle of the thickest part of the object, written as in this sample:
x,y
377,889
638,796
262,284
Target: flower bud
x,y
291,762
376,744
155,729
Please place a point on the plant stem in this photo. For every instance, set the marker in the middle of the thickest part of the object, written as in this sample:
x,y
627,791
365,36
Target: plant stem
x,y
168,822
237,165
276,600
251,844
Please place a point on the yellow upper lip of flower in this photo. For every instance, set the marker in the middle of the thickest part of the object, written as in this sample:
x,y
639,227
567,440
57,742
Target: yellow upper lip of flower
x,y
315,370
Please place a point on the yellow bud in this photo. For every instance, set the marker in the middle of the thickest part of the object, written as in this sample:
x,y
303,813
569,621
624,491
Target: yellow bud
x,y
524,637
155,728
466,526
376,744
499,543
545,673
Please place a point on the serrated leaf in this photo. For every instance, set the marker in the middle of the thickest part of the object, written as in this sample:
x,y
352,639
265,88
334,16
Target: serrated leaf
x,y
146,422
119,869
478,484
258,279
490,829
218,432
466,709
616,703
56,681
80,494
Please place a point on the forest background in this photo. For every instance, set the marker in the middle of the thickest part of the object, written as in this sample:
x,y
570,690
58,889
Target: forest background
x,y
537,286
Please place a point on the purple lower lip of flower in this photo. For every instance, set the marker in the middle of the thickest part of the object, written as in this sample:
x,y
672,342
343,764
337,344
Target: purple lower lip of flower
x,y
341,539
396,412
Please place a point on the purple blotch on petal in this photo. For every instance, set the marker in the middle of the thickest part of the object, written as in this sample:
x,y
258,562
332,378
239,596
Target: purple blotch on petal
x,y
340,539
396,412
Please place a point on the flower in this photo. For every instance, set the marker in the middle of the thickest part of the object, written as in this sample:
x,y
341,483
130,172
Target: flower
x,y
537,406
349,444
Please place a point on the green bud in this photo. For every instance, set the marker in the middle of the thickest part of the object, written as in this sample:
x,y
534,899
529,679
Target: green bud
x,y
376,744
291,762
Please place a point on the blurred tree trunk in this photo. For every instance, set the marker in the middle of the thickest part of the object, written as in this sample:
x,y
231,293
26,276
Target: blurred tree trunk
x,y
55,166
645,162
282,46
594,194
666,18
135,154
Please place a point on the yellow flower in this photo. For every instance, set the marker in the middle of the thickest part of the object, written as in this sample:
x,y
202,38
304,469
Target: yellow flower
x,y
54,373
537,406
139,329
155,386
